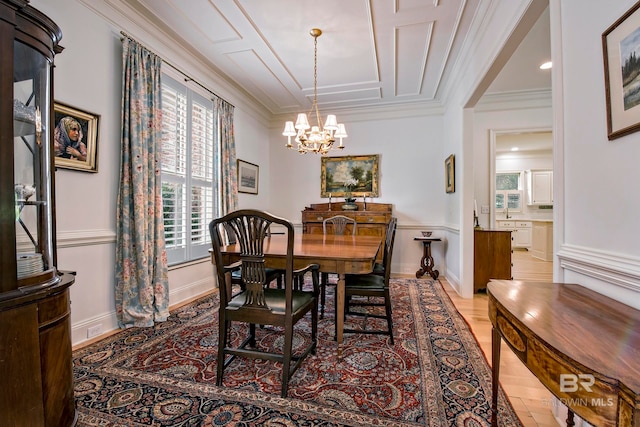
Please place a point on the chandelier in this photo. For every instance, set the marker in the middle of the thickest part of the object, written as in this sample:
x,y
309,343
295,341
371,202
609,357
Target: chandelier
x,y
313,138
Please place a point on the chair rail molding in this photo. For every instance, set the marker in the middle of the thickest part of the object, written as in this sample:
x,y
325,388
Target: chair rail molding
x,y
70,239
609,267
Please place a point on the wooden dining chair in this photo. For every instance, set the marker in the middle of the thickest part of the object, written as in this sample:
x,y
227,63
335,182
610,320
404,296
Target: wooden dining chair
x,y
236,274
378,267
334,225
371,285
258,304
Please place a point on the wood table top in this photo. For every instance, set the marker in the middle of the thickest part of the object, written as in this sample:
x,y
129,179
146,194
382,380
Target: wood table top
x,y
319,246
591,329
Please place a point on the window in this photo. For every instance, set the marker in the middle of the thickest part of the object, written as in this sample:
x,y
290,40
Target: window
x,y
189,187
509,191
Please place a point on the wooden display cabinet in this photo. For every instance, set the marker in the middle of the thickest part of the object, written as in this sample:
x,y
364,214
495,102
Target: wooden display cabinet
x,y
491,257
371,221
36,376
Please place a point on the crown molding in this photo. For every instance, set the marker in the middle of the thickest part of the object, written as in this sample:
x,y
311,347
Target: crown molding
x,y
515,100
122,16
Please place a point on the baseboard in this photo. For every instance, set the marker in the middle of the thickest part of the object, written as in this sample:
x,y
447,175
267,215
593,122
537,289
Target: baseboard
x,y
107,324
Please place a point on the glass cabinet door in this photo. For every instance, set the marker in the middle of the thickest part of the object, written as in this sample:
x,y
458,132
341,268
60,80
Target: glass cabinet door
x,y
32,162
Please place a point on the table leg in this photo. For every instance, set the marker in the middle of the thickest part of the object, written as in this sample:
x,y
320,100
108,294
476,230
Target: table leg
x,y
340,312
495,369
570,419
426,263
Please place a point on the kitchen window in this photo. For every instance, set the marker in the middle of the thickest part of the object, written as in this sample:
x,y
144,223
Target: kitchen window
x,y
509,191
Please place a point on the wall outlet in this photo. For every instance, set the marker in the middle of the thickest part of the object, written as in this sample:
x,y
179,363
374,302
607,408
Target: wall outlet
x,y
94,331
484,209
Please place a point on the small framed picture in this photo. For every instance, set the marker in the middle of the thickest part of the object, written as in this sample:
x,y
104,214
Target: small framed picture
x,y
247,177
75,138
450,174
620,44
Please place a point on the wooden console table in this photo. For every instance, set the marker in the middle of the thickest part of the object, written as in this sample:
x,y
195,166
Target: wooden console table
x,y
372,219
583,346
426,263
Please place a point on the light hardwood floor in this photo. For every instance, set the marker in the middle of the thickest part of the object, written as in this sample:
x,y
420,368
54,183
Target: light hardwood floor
x,y
529,397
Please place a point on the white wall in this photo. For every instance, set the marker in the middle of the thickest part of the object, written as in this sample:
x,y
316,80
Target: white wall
x,y
472,75
411,178
88,76
600,249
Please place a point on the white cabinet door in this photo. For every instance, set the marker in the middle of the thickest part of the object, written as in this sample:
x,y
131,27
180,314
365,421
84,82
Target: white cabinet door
x,y
522,236
540,187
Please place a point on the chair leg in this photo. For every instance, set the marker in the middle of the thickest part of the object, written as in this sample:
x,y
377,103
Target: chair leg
x,y
222,343
323,292
286,361
314,319
387,306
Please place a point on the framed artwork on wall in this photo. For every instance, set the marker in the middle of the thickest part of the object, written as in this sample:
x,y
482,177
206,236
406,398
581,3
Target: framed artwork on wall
x,y
450,175
75,138
248,175
620,44
349,176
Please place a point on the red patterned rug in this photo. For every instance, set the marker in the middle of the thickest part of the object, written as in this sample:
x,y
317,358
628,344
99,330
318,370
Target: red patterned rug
x,y
434,375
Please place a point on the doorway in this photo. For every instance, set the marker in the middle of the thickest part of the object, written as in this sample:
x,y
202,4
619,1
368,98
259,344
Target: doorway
x,y
522,155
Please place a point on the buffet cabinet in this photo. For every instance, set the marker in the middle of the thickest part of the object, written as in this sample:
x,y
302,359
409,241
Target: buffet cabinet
x,y
36,376
491,257
372,219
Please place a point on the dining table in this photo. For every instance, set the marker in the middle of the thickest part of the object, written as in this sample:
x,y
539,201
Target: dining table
x,y
338,254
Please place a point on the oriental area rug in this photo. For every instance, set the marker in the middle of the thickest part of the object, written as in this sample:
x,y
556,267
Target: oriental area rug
x,y
434,375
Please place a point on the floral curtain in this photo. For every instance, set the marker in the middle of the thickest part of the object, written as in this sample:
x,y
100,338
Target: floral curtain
x,y
223,116
142,284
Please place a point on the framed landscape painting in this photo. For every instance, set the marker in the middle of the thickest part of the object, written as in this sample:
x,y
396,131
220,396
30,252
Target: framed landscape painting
x,y
247,177
357,175
621,51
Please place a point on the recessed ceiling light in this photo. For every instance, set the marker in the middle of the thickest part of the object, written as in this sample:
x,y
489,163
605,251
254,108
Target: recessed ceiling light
x,y
514,148
546,65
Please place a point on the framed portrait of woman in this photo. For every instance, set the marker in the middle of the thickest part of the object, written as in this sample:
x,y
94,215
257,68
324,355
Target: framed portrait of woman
x,y
75,138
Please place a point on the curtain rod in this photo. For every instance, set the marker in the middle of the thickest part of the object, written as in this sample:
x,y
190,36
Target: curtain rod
x,y
187,78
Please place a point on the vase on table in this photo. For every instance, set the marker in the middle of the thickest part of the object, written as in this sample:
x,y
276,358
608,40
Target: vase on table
x,y
350,203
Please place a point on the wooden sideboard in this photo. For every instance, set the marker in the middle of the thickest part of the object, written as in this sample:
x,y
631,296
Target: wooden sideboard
x,y
371,221
581,345
491,257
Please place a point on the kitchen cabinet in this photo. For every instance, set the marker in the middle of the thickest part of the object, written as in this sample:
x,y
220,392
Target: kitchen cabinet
x,y
520,232
542,240
491,257
539,187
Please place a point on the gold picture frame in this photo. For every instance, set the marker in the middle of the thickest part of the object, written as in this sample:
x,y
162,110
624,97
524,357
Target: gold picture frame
x,y
619,45
335,171
70,153
450,174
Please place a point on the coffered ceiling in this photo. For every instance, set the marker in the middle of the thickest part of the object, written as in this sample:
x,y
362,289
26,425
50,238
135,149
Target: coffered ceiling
x,y
371,52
